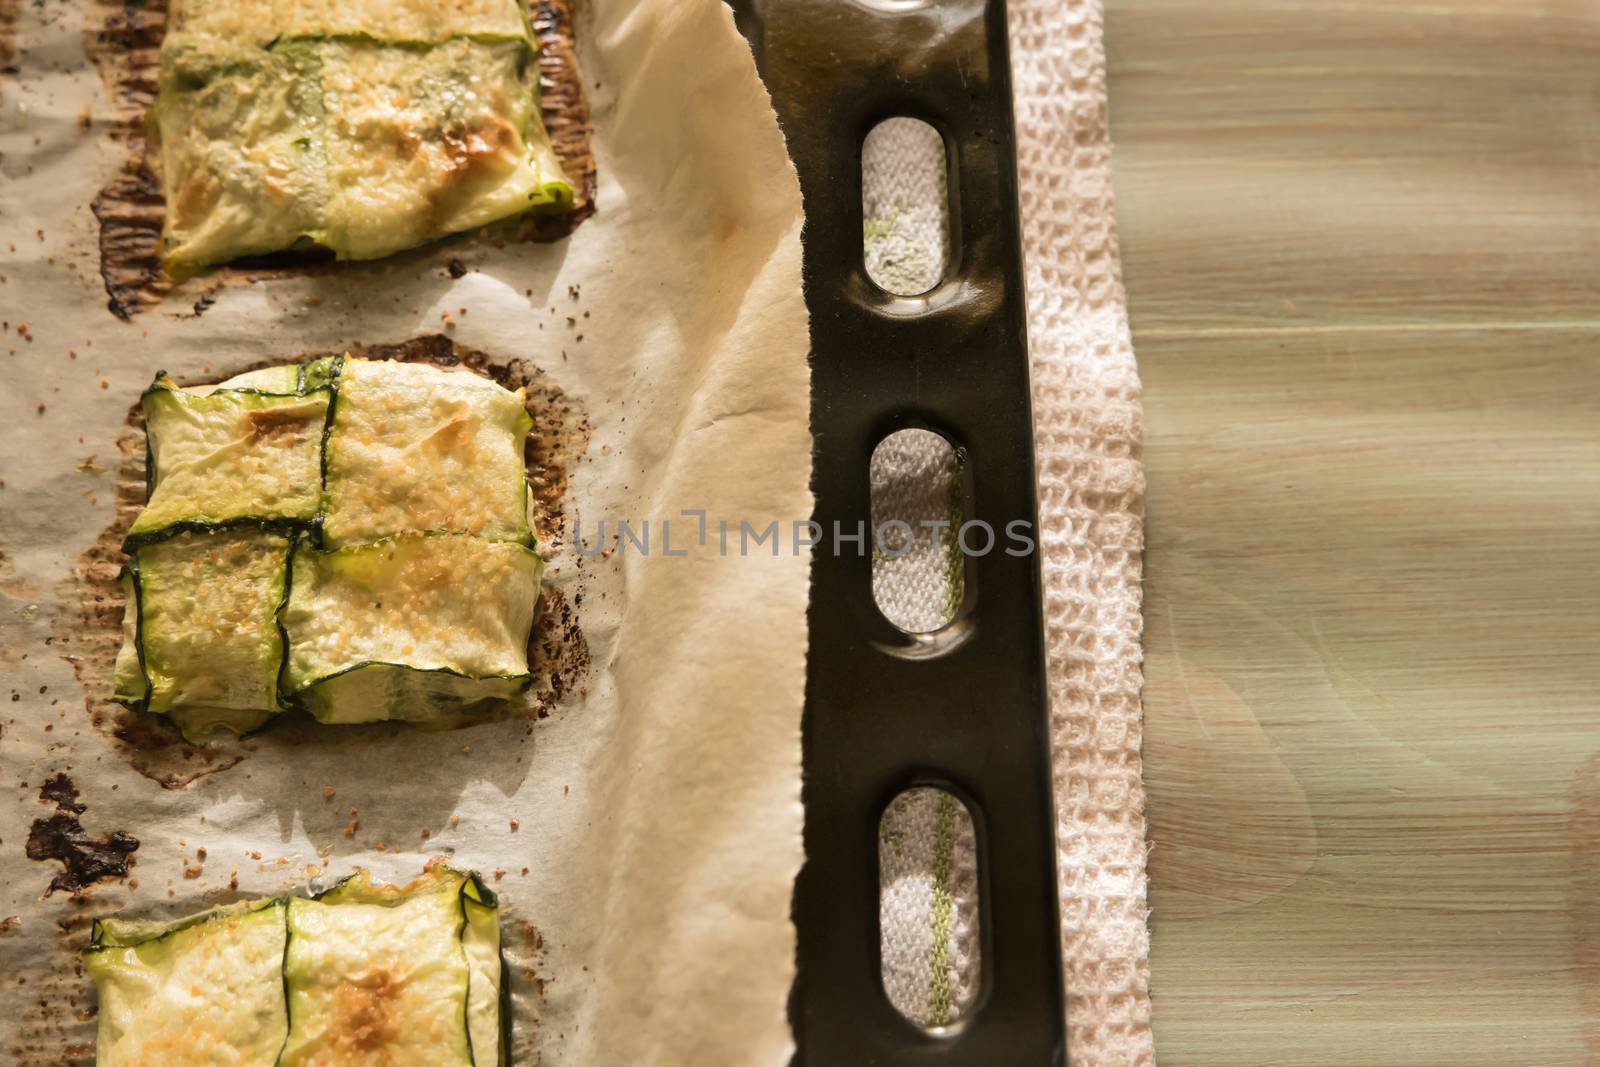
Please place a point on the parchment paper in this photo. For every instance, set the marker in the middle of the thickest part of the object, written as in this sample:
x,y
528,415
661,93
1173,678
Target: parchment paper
x,y
645,835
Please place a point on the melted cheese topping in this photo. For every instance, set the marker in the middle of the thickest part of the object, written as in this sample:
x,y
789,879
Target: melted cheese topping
x,y
442,603
377,985
413,448
208,616
232,454
210,995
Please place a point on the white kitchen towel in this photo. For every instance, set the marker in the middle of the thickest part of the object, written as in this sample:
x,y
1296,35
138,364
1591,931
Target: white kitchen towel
x,y
1091,488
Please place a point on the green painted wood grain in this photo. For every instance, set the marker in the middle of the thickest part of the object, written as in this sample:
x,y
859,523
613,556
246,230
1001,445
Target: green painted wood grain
x,y
1361,242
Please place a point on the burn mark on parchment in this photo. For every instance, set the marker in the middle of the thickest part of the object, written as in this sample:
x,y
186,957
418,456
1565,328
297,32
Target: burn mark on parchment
x,y
123,38
565,110
85,860
125,45
558,652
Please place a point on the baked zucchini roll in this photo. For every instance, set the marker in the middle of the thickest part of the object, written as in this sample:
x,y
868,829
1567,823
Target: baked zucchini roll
x,y
358,976
409,628
239,452
363,128
201,639
414,448
198,992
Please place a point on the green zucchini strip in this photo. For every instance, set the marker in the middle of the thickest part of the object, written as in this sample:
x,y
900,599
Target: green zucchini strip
x,y
233,455
238,133
279,378
380,974
485,994
413,448
409,627
132,685
320,373
204,630
201,991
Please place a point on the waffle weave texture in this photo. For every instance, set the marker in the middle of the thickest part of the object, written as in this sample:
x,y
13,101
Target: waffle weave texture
x,y
1088,428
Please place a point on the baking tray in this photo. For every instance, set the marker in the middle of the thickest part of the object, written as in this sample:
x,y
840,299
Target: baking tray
x,y
964,709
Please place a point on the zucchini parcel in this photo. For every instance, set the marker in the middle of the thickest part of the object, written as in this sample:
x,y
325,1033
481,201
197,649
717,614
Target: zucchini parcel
x,y
360,975
362,128
346,536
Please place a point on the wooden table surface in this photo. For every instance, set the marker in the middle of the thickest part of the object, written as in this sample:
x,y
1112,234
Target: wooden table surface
x,y
1361,241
